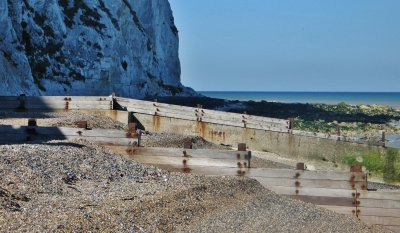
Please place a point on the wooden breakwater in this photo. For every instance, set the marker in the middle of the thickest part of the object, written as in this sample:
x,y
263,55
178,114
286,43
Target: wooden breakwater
x,y
343,192
259,133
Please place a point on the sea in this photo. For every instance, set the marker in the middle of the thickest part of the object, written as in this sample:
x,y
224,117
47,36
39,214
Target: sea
x,y
391,99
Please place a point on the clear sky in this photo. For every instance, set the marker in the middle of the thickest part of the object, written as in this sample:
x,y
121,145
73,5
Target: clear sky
x,y
289,45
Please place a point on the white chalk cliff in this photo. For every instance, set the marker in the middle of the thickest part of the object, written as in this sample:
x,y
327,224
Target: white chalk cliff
x,y
89,47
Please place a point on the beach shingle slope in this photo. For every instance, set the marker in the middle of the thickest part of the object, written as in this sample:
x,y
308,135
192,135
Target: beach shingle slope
x,y
77,186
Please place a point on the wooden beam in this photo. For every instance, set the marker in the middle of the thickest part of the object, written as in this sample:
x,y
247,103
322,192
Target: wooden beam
x,y
185,162
379,220
104,136
191,153
311,175
312,183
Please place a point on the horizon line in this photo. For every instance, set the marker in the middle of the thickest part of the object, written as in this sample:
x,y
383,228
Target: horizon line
x,y
307,91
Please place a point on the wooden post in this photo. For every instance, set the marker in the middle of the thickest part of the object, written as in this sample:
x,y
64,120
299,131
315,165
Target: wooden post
x,y
187,145
21,99
291,124
300,166
32,122
249,158
338,132
383,139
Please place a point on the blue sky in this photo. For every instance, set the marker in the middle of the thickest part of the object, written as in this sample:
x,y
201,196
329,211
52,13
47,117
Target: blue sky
x,y
289,45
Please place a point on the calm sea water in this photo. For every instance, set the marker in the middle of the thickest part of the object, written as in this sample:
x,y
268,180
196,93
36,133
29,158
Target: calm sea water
x,y
382,98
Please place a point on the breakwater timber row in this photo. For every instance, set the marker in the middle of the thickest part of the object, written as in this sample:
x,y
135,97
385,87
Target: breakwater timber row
x,y
259,133
345,192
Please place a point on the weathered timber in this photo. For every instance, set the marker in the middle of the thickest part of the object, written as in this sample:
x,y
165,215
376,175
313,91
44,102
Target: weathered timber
x,y
189,153
105,136
190,161
313,183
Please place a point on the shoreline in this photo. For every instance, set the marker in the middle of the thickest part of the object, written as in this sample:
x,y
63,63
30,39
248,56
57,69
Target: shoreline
x,y
388,99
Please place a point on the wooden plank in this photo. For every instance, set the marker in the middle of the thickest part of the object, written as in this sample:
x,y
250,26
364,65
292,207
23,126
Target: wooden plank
x,y
193,153
365,211
9,98
70,107
105,136
187,162
379,220
100,140
67,98
340,209
9,104
172,115
5,129
205,120
379,203
314,183
205,170
312,175
381,195
323,200
363,194
311,191
206,112
62,102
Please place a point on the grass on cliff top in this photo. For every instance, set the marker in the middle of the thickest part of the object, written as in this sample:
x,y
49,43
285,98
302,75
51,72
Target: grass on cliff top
x,y
386,166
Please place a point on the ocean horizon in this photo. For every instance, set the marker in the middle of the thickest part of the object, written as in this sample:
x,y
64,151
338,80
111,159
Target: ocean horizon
x,y
391,99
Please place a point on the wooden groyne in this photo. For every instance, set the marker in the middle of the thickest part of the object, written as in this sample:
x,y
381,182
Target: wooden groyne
x,y
343,192
259,133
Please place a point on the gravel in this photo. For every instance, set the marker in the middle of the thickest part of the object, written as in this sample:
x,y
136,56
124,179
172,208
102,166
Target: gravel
x,y
376,185
60,119
78,186
172,140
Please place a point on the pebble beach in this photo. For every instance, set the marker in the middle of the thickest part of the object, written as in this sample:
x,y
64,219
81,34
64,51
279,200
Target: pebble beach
x,y
77,186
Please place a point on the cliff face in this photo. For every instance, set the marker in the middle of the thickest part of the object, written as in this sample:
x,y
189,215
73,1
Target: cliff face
x,y
89,47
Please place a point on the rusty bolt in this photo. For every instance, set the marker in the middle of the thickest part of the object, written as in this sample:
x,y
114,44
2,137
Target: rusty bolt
x,y
184,162
238,156
242,147
132,127
297,175
356,168
239,164
297,183
297,191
